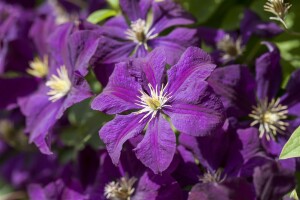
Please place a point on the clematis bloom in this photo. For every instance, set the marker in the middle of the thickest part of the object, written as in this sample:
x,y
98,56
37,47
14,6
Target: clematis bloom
x,y
156,95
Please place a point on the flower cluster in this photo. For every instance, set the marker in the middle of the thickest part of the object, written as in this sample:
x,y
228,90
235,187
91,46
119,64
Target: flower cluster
x,y
132,107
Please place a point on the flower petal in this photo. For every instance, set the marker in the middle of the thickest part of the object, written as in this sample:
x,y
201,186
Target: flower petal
x,y
176,43
120,94
236,87
167,14
194,64
157,149
82,47
271,181
251,24
268,73
196,110
150,69
116,132
135,9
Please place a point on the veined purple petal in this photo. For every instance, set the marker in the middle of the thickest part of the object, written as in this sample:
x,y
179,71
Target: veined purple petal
x,y
157,149
167,14
150,69
116,132
253,25
120,94
194,64
82,47
272,182
176,43
268,73
236,87
292,96
117,22
135,9
157,187
58,44
232,189
195,109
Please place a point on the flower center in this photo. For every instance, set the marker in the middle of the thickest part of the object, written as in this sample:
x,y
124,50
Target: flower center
x,y
277,7
122,189
270,117
139,32
59,85
154,102
212,177
231,49
38,67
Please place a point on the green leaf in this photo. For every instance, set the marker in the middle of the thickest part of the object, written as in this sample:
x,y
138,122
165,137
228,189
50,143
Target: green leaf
x,y
114,4
292,148
100,15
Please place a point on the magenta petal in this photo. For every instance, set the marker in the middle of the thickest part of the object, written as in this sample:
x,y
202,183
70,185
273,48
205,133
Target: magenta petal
x,y
157,149
193,64
120,94
116,132
196,110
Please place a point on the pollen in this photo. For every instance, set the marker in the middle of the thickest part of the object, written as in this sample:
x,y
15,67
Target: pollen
x,y
139,32
153,102
279,8
231,49
59,84
270,117
38,68
213,177
122,189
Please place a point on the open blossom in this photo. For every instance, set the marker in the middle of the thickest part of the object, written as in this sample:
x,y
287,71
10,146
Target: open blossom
x,y
63,86
183,97
256,98
140,29
230,45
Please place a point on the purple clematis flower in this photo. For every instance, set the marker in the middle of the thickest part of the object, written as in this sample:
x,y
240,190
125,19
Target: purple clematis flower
x,y
230,159
64,86
131,180
141,85
139,30
228,46
272,182
243,95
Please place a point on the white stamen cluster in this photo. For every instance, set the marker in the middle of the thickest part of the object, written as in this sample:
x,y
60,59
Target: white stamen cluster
x,y
231,49
279,9
38,67
154,102
270,116
121,189
212,177
59,84
139,33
